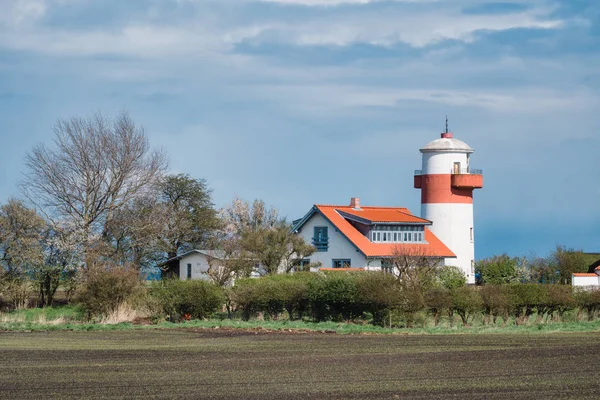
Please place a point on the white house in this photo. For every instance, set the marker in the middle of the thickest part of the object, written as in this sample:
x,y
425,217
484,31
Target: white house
x,y
590,279
191,265
355,236
196,264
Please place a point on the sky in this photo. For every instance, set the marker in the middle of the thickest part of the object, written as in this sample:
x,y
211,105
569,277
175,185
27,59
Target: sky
x,y
300,102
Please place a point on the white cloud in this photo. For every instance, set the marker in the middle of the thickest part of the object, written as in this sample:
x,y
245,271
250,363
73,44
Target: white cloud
x,y
221,29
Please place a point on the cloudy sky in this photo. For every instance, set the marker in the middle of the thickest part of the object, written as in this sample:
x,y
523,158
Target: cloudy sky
x,y
314,101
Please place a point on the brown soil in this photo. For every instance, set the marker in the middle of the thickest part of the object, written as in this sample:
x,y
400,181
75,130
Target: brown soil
x,y
261,364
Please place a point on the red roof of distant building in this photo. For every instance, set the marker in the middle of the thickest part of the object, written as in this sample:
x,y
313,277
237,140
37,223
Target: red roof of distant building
x,y
432,248
585,274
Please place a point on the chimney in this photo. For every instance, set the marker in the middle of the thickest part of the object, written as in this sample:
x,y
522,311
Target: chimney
x,y
355,203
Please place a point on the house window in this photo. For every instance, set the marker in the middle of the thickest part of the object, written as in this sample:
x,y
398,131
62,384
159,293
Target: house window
x,y
471,234
341,263
387,266
320,239
302,265
189,271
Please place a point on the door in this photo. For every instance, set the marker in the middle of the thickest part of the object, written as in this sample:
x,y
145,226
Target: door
x,y
456,168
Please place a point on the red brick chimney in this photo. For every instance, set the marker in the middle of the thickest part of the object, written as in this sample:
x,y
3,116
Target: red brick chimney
x,y
355,203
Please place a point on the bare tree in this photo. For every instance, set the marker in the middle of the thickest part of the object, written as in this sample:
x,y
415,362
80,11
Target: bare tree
x,y
241,216
95,167
228,260
413,266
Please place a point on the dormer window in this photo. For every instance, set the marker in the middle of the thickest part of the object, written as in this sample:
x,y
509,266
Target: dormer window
x,y
397,234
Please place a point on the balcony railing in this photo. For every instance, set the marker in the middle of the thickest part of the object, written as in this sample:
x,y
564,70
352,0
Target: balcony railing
x,y
467,171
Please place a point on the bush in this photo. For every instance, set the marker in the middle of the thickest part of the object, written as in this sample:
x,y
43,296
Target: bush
x,y
294,292
334,296
107,289
495,303
451,277
466,301
375,294
588,300
497,270
438,300
193,299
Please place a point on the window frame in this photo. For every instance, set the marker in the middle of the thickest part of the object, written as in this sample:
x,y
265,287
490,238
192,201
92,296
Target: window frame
x,y
345,262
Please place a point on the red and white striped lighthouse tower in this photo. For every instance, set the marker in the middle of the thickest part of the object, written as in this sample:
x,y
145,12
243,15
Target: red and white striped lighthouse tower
x,y
447,182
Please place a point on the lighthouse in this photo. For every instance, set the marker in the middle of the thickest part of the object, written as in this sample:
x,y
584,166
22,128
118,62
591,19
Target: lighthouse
x,y
447,181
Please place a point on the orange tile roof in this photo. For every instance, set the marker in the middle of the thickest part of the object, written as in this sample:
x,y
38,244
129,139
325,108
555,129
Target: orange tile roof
x,y
584,274
384,214
433,248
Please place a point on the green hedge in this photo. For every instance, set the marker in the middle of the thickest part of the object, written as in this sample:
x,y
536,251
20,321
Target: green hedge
x,y
193,299
377,297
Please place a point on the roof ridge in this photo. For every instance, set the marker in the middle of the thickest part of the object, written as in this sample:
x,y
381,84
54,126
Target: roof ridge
x,y
348,206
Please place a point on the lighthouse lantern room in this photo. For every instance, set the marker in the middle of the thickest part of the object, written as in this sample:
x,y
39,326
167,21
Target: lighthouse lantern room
x,y
447,182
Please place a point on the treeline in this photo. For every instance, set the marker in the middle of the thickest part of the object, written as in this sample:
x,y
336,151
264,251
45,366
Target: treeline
x,y
99,197
384,300
360,297
555,268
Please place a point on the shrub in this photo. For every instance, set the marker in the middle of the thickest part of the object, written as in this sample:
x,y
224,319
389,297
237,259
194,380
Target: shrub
x,y
495,303
438,300
245,295
193,299
588,300
16,289
451,277
333,296
523,299
375,294
294,292
466,301
560,299
106,289
497,270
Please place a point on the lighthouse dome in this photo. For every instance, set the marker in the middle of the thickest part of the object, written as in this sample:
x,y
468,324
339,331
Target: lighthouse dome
x,y
447,143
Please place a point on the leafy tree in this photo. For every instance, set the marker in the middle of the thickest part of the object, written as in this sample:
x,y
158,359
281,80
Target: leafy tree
x,y
497,270
189,216
568,261
276,248
543,270
263,236
21,232
451,277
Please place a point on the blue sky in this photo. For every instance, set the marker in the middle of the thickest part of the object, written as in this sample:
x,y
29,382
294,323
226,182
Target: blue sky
x,y
314,101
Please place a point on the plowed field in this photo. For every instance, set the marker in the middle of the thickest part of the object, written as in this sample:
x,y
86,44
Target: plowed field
x,y
221,364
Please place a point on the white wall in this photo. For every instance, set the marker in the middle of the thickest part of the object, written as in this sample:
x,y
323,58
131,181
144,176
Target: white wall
x,y
339,246
199,266
443,163
452,224
585,280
